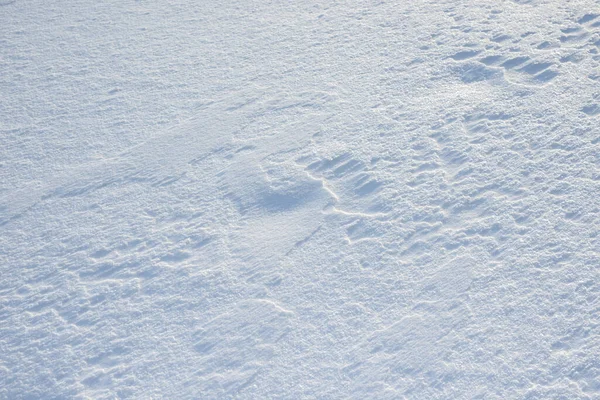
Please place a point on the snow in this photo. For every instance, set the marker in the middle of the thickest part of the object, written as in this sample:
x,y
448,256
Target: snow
x,y
340,199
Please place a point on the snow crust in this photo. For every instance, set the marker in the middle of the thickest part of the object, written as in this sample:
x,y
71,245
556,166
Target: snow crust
x,y
272,199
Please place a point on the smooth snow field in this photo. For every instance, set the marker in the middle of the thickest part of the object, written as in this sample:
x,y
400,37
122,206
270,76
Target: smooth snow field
x,y
300,199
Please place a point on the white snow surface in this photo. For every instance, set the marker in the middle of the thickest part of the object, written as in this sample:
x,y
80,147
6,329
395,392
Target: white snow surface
x,y
300,199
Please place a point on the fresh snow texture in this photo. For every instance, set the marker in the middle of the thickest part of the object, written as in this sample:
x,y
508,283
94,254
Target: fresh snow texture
x,y
300,199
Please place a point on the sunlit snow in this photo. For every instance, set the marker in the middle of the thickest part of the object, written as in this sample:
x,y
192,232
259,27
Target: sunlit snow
x,y
300,199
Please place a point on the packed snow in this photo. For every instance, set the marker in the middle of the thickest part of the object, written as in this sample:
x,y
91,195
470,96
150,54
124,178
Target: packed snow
x,y
322,200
